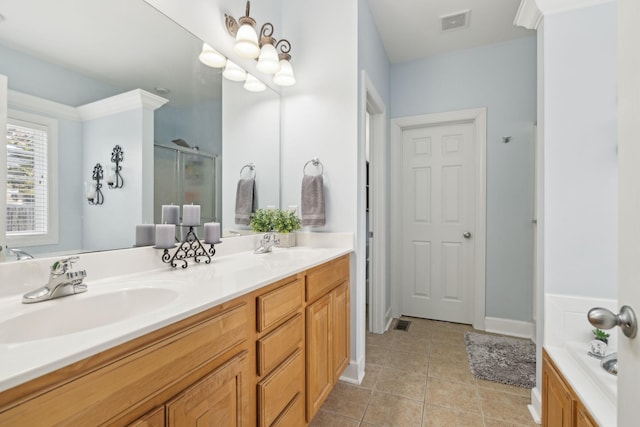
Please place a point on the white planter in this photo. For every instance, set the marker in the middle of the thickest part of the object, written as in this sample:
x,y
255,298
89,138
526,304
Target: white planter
x,y
287,240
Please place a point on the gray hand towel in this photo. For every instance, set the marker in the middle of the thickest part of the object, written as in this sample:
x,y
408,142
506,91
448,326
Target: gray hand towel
x,y
312,206
246,200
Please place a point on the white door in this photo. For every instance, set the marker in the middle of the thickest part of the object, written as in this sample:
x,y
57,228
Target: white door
x,y
438,217
629,203
3,163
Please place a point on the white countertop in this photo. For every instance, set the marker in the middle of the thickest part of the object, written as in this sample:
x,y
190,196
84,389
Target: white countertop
x,y
595,387
189,291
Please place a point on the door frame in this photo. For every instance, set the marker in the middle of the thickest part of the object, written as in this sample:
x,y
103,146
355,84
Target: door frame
x,y
371,101
477,117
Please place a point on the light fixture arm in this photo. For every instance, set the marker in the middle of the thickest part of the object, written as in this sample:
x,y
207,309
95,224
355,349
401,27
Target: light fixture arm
x,y
285,48
233,25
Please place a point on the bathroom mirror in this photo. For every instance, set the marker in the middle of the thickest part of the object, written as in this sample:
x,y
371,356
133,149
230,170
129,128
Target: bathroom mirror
x,y
74,53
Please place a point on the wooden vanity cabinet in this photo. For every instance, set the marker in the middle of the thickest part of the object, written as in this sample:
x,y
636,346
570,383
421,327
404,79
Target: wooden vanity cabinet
x,y
560,405
327,330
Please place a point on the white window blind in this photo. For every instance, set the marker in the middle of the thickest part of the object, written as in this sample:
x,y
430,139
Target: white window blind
x,y
27,174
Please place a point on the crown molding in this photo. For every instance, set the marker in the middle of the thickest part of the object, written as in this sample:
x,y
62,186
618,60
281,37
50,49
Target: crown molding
x,y
22,101
528,15
133,99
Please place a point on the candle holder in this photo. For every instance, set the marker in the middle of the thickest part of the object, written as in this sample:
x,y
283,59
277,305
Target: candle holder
x,y
97,198
117,156
191,247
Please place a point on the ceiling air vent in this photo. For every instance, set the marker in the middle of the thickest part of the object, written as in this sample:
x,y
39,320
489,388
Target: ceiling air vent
x,y
455,20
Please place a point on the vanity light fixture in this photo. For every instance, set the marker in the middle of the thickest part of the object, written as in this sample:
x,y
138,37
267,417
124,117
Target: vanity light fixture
x,y
211,57
115,180
94,194
252,84
270,61
232,71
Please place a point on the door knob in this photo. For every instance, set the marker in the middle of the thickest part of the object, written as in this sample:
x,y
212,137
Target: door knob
x,y
467,235
605,319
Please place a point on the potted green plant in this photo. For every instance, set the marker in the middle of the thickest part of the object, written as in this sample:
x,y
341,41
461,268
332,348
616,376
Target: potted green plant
x,y
286,222
262,221
598,346
601,335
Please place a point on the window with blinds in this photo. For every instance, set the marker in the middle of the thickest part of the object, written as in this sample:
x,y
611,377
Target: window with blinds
x,y
27,189
32,179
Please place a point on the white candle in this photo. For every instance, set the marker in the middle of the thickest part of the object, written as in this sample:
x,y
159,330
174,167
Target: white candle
x,y
165,236
212,232
191,215
170,214
145,234
90,189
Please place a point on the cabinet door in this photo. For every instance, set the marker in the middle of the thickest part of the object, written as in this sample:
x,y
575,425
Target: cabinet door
x,y
154,418
583,419
216,401
340,329
320,370
557,403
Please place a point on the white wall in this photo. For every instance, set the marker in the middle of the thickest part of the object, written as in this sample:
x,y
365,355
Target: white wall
x,y
320,119
580,120
501,77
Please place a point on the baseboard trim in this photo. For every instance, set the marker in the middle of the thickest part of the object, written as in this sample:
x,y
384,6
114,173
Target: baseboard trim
x,y
354,372
535,409
515,328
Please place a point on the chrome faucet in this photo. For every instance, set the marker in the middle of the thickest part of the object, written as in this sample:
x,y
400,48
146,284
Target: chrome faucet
x,y
62,282
19,253
267,243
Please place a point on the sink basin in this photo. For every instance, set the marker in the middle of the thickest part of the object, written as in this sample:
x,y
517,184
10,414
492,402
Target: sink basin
x,y
610,363
72,314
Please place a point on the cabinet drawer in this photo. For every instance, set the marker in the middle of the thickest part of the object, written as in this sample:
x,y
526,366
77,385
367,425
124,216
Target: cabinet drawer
x,y
279,344
100,395
275,306
280,388
323,279
293,415
154,418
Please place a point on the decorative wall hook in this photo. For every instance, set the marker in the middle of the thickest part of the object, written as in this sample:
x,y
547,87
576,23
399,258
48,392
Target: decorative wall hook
x,y
94,194
115,180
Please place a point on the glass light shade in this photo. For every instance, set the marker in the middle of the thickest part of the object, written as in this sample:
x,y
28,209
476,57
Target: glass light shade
x,y
232,71
284,77
211,57
268,62
247,42
252,84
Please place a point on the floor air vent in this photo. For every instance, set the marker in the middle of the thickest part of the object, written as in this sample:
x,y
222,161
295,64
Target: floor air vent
x,y
403,325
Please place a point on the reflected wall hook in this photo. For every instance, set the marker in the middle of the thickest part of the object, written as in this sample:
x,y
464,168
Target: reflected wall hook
x,y
94,194
115,180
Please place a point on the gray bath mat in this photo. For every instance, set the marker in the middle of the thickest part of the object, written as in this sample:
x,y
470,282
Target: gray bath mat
x,y
502,359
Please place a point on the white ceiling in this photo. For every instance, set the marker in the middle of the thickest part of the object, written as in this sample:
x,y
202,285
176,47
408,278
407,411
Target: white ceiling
x,y
125,43
410,29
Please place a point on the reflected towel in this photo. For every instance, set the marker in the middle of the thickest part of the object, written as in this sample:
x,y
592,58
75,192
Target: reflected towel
x,y
312,206
246,200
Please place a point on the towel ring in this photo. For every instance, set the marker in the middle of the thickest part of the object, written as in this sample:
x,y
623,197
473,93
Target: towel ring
x,y
316,162
252,168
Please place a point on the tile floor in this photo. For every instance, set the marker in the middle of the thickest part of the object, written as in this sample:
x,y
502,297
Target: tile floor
x,y
421,378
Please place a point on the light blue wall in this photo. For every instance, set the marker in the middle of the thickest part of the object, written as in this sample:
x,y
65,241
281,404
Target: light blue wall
x,y
580,143
199,125
372,58
501,77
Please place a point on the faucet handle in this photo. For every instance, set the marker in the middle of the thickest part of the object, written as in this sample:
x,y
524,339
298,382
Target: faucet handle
x,y
63,265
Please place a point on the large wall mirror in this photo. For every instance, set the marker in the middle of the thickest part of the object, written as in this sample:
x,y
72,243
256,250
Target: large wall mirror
x,y
186,142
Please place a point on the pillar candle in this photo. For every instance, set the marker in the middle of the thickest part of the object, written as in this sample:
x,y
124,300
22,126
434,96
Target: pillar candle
x,y
145,234
170,214
165,236
191,215
212,232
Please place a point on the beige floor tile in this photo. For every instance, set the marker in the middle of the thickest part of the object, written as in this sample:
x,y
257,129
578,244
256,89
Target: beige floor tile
x,y
452,395
402,383
371,374
380,340
449,350
411,343
507,407
406,361
327,419
389,410
451,370
438,416
489,422
504,387
347,400
375,355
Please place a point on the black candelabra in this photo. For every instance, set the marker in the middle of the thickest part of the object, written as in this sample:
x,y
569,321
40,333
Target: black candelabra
x,y
190,247
98,197
117,156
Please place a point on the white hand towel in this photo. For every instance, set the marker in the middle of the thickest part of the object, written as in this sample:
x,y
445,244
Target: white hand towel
x,y
312,206
246,200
